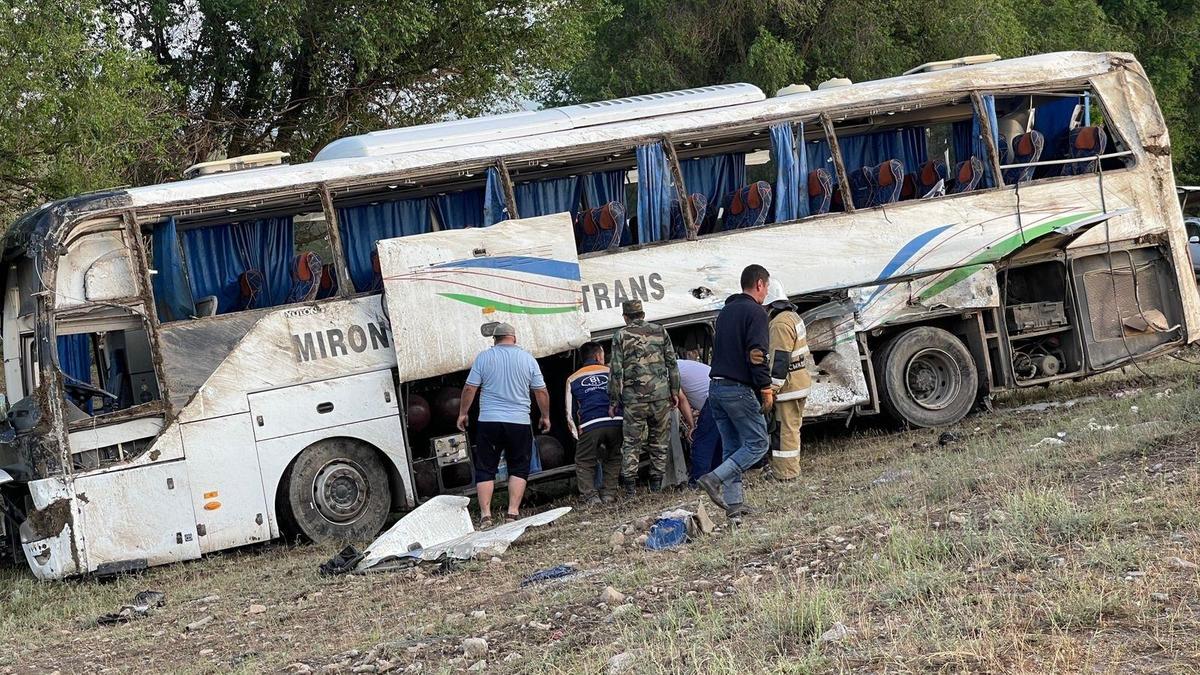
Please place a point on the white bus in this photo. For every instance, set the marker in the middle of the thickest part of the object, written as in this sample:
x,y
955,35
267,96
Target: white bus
x,y
275,351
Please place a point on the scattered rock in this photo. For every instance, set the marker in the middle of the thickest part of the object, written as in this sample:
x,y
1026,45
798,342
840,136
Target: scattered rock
x,y
641,540
703,520
626,610
455,617
831,531
958,519
478,666
475,648
1180,563
478,614
621,663
538,625
197,625
891,476
365,668
256,609
612,596
512,656
299,668
998,516
206,652
617,539
837,633
207,600
1159,597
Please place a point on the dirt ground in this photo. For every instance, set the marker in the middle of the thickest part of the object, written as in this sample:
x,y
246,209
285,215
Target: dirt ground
x,y
1056,533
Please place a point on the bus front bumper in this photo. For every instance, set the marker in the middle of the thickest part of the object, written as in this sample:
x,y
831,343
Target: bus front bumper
x,y
48,532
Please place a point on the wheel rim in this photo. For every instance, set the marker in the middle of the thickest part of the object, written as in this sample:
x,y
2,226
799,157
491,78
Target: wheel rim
x,y
340,490
931,377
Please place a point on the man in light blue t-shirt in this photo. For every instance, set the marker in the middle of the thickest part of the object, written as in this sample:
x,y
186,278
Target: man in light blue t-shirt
x,y
506,374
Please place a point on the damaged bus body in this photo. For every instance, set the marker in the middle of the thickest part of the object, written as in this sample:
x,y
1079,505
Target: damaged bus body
x,y
210,363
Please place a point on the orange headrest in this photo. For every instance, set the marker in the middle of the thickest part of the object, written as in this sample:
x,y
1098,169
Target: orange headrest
x,y
1024,144
886,175
964,172
375,262
814,184
303,269
736,205
908,188
1088,138
929,174
754,196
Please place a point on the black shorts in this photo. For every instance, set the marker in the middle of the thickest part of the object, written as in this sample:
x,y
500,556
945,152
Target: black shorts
x,y
514,440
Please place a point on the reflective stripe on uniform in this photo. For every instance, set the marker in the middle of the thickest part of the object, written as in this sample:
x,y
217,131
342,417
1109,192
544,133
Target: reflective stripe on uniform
x,y
785,454
776,382
793,395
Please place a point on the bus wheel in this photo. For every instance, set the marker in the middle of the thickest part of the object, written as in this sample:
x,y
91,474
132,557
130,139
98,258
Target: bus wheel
x,y
337,491
928,377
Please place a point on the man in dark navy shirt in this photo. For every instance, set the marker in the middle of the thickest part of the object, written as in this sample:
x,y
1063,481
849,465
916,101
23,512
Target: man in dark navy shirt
x,y
595,426
740,392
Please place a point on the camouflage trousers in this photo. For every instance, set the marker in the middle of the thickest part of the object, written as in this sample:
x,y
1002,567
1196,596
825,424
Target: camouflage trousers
x,y
647,428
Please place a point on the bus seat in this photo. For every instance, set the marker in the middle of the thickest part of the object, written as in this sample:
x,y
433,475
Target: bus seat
x,y
908,188
886,180
306,277
1085,142
250,289
376,274
967,175
329,282
699,213
820,190
601,227
206,306
860,187
928,175
749,206
1025,148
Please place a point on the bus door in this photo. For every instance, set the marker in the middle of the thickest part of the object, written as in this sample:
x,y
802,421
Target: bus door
x,y
444,292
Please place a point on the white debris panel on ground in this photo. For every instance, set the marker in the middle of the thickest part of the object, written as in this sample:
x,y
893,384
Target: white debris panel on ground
x,y
441,528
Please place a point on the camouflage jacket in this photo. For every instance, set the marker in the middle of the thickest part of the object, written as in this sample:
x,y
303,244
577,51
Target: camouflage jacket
x,y
643,367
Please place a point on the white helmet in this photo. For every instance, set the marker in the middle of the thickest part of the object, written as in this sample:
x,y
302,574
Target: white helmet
x,y
775,293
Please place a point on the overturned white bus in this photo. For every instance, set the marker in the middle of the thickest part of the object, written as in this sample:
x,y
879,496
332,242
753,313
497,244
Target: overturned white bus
x,y
204,364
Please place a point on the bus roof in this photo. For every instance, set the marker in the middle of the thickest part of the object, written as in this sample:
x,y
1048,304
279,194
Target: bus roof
x,y
1058,67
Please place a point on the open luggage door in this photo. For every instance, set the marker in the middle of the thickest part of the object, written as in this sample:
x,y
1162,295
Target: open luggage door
x,y
444,290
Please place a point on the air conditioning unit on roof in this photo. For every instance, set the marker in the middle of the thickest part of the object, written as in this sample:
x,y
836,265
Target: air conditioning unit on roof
x,y
953,63
235,164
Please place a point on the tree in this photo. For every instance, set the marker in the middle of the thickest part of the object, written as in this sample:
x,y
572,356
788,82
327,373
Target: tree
x,y
294,74
79,110
656,45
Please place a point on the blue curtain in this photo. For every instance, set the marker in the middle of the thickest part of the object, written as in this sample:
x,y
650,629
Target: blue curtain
x,y
458,210
1053,120
907,145
216,256
172,297
979,145
960,134
362,226
552,195
494,208
75,356
604,187
791,173
714,177
654,194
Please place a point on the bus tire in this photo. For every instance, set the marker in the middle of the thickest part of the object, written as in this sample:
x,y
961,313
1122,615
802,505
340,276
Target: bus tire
x,y
928,378
337,491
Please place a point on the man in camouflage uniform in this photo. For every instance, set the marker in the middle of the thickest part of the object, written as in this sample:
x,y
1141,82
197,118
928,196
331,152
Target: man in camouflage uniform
x,y
644,379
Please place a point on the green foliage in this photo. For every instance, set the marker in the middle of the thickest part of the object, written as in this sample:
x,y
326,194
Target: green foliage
x,y
294,74
79,111
654,45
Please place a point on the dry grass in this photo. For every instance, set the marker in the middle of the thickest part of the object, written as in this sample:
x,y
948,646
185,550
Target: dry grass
x,y
991,553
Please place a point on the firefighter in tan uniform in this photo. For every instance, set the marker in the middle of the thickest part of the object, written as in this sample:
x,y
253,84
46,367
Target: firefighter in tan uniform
x,y
789,358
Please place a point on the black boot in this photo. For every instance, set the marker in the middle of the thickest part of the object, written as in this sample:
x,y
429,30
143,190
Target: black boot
x,y
627,487
656,484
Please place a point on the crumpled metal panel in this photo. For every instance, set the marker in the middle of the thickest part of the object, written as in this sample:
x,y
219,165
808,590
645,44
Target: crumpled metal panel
x,y
441,528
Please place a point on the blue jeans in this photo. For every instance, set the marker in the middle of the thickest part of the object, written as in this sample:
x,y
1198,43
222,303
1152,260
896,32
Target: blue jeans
x,y
743,428
706,445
